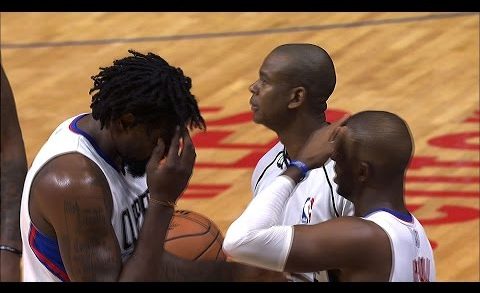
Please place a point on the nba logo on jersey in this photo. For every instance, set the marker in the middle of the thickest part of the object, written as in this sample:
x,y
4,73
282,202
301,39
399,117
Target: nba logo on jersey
x,y
307,210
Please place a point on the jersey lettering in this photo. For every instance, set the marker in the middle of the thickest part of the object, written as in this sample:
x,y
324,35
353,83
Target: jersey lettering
x,y
132,219
421,269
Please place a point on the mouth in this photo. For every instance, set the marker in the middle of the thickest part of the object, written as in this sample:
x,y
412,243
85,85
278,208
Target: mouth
x,y
253,106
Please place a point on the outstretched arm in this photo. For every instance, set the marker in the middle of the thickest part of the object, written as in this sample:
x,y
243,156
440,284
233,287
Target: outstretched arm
x,y
256,238
14,169
341,243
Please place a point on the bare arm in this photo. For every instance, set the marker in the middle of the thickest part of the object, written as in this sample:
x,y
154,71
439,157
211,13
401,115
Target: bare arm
x,y
13,171
348,244
345,243
71,201
181,270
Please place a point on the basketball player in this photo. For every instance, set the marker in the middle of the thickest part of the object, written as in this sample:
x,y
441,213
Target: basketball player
x,y
384,242
14,169
290,98
91,208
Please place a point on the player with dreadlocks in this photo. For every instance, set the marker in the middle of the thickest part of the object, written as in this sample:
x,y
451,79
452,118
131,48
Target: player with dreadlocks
x,y
100,194
150,90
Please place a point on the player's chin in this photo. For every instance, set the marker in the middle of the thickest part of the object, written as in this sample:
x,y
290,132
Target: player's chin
x,y
257,118
137,168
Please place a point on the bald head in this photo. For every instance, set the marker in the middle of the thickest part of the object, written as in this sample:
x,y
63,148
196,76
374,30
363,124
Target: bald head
x,y
381,138
311,67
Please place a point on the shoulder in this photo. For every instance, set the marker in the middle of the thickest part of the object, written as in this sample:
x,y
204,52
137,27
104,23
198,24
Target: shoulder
x,y
69,180
270,156
69,174
272,153
371,236
329,167
267,161
368,237
366,228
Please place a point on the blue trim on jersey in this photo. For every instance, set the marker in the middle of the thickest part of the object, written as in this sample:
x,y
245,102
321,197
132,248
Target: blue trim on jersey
x,y
406,217
73,127
47,252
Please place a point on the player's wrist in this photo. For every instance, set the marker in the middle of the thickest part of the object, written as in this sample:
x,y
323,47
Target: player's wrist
x,y
10,249
298,170
162,202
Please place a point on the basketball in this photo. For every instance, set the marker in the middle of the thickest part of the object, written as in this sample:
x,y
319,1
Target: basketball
x,y
193,236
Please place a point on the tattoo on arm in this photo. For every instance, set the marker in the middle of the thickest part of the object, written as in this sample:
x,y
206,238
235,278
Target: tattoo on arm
x,y
92,256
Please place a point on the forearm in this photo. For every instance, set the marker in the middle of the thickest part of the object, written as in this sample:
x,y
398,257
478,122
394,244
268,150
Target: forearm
x,y
12,180
13,173
178,269
150,262
255,237
89,247
10,267
147,263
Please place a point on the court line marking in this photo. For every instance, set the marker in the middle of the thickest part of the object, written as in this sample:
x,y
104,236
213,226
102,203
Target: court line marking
x,y
236,34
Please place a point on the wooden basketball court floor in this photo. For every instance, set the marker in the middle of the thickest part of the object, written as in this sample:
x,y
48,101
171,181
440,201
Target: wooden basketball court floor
x,y
422,66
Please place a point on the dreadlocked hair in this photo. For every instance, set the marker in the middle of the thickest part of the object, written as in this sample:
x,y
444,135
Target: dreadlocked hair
x,y
149,88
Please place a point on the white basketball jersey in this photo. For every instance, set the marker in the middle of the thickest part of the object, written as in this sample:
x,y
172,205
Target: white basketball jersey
x,y
41,256
314,199
412,253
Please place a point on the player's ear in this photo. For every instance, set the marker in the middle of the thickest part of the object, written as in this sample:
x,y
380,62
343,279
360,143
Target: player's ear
x,y
297,97
365,171
126,121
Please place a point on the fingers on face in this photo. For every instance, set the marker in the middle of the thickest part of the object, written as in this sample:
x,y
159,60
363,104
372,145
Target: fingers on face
x,y
174,145
188,151
160,147
181,147
158,152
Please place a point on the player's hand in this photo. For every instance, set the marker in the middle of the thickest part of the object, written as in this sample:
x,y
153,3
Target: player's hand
x,y
320,145
246,273
167,178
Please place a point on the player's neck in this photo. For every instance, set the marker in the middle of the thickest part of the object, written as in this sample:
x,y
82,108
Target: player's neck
x,y
102,137
297,132
389,197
